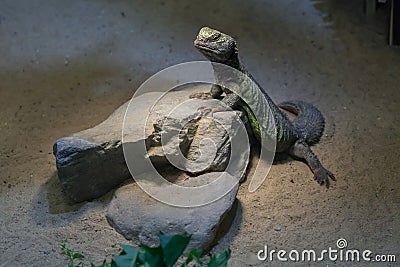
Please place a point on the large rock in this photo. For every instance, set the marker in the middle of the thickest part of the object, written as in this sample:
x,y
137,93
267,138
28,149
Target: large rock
x,y
91,162
140,218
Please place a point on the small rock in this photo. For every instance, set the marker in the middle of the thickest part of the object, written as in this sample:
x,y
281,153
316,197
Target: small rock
x,y
277,228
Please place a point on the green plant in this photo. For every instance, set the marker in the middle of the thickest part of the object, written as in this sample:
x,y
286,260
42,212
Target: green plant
x,y
72,256
165,255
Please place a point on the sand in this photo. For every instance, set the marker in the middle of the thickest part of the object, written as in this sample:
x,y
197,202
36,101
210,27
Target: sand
x,y
66,65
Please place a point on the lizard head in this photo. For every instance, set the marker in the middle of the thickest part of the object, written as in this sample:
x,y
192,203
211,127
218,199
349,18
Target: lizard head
x,y
215,45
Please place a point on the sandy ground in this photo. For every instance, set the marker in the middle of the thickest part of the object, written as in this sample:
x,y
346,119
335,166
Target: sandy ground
x,y
66,65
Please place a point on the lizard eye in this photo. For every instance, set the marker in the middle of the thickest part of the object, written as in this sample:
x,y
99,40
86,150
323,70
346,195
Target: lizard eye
x,y
215,36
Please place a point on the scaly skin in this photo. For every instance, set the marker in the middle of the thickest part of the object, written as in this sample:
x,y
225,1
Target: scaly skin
x,y
294,137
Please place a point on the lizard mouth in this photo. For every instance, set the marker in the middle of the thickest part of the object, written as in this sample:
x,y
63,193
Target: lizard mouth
x,y
203,46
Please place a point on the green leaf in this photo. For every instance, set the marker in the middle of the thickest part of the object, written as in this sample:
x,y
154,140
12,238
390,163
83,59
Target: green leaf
x,y
165,255
128,249
195,255
127,258
221,260
153,256
66,250
78,256
173,246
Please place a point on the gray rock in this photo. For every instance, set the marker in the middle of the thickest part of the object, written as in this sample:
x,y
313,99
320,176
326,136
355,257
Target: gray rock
x,y
88,170
204,141
140,218
90,163
222,131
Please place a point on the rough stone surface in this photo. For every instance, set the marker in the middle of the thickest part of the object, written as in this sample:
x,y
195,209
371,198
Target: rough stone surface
x,y
204,141
221,130
140,218
91,162
88,170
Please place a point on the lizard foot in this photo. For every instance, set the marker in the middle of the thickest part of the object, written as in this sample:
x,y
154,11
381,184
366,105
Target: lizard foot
x,y
201,95
204,111
322,176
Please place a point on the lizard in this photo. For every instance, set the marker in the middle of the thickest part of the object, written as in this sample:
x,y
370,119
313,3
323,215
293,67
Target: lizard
x,y
292,137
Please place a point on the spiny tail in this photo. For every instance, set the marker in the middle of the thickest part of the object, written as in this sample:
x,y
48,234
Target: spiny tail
x,y
309,123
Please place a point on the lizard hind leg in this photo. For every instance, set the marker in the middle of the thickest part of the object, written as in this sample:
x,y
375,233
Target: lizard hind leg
x,y
301,150
310,122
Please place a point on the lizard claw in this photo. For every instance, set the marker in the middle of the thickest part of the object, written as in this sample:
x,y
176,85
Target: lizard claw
x,y
210,110
200,95
322,176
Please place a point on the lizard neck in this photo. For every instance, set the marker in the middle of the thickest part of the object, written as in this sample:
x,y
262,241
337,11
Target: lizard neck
x,y
234,62
285,133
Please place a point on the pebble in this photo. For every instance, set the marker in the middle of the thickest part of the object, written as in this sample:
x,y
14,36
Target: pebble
x,y
277,228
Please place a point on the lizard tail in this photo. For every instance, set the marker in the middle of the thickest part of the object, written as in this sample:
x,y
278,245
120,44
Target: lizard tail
x,y
309,123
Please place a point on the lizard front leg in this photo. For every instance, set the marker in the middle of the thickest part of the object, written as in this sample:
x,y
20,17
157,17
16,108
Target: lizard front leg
x,y
231,101
301,150
215,92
